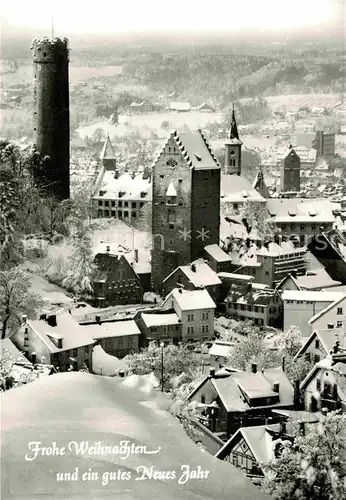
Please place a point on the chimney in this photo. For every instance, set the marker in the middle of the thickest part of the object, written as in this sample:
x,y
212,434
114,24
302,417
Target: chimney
x,y
116,174
98,319
296,395
43,317
108,248
136,254
283,363
254,367
212,372
51,320
335,391
133,175
193,268
276,387
294,273
248,242
24,318
302,428
180,290
283,427
295,242
33,358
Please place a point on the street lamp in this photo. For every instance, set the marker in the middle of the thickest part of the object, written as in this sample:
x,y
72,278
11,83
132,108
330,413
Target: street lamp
x,y
162,345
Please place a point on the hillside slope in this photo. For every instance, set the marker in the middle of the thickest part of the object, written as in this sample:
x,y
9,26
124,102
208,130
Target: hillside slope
x,y
81,407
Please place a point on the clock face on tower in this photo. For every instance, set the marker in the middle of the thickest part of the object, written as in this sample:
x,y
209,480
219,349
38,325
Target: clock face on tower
x,y
172,163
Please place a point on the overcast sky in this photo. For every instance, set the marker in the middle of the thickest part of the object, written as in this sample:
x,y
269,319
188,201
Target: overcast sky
x,y
111,16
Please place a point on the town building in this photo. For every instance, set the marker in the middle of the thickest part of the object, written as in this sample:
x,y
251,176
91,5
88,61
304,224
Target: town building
x,y
254,302
115,280
324,386
290,171
121,195
325,143
217,259
56,339
329,247
195,309
320,344
236,193
233,149
193,277
268,263
180,107
186,203
253,448
241,399
314,280
184,316
117,338
333,316
52,115
301,218
260,185
302,309
219,353
160,326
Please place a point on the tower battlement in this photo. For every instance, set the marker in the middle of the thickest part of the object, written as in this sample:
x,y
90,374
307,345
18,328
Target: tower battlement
x,y
47,50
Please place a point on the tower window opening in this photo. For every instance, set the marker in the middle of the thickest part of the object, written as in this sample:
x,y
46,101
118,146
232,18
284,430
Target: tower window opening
x,y
44,54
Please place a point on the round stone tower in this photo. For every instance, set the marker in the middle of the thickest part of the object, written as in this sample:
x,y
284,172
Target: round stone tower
x,y
51,114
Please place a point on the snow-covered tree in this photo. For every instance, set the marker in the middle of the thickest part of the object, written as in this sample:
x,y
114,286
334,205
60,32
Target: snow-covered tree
x,y
16,299
314,467
81,264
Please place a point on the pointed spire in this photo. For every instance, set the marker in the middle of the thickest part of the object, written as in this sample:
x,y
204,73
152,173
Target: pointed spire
x,y
260,175
107,152
233,133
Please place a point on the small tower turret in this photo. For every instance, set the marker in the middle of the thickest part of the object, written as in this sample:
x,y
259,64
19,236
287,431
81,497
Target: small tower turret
x,y
233,149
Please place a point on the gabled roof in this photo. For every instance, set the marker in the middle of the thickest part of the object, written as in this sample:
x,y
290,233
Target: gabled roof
x,y
316,279
202,276
72,334
258,438
217,253
300,210
112,329
260,185
326,309
189,300
233,135
238,189
107,152
220,348
158,319
180,106
327,339
231,389
195,150
328,296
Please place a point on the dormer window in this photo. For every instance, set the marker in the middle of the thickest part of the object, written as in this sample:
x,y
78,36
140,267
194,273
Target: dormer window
x,y
143,194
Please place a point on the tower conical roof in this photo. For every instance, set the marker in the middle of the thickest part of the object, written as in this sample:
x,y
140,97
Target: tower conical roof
x,y
233,133
107,152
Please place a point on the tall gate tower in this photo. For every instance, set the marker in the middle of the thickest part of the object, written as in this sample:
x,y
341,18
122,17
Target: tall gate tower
x,y
52,115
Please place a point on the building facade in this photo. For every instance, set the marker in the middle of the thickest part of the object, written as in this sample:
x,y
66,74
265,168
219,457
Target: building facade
x,y
56,339
115,281
52,115
290,171
301,306
186,203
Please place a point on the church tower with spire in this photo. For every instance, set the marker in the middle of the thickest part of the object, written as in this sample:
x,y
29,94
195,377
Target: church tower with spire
x,y
233,149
